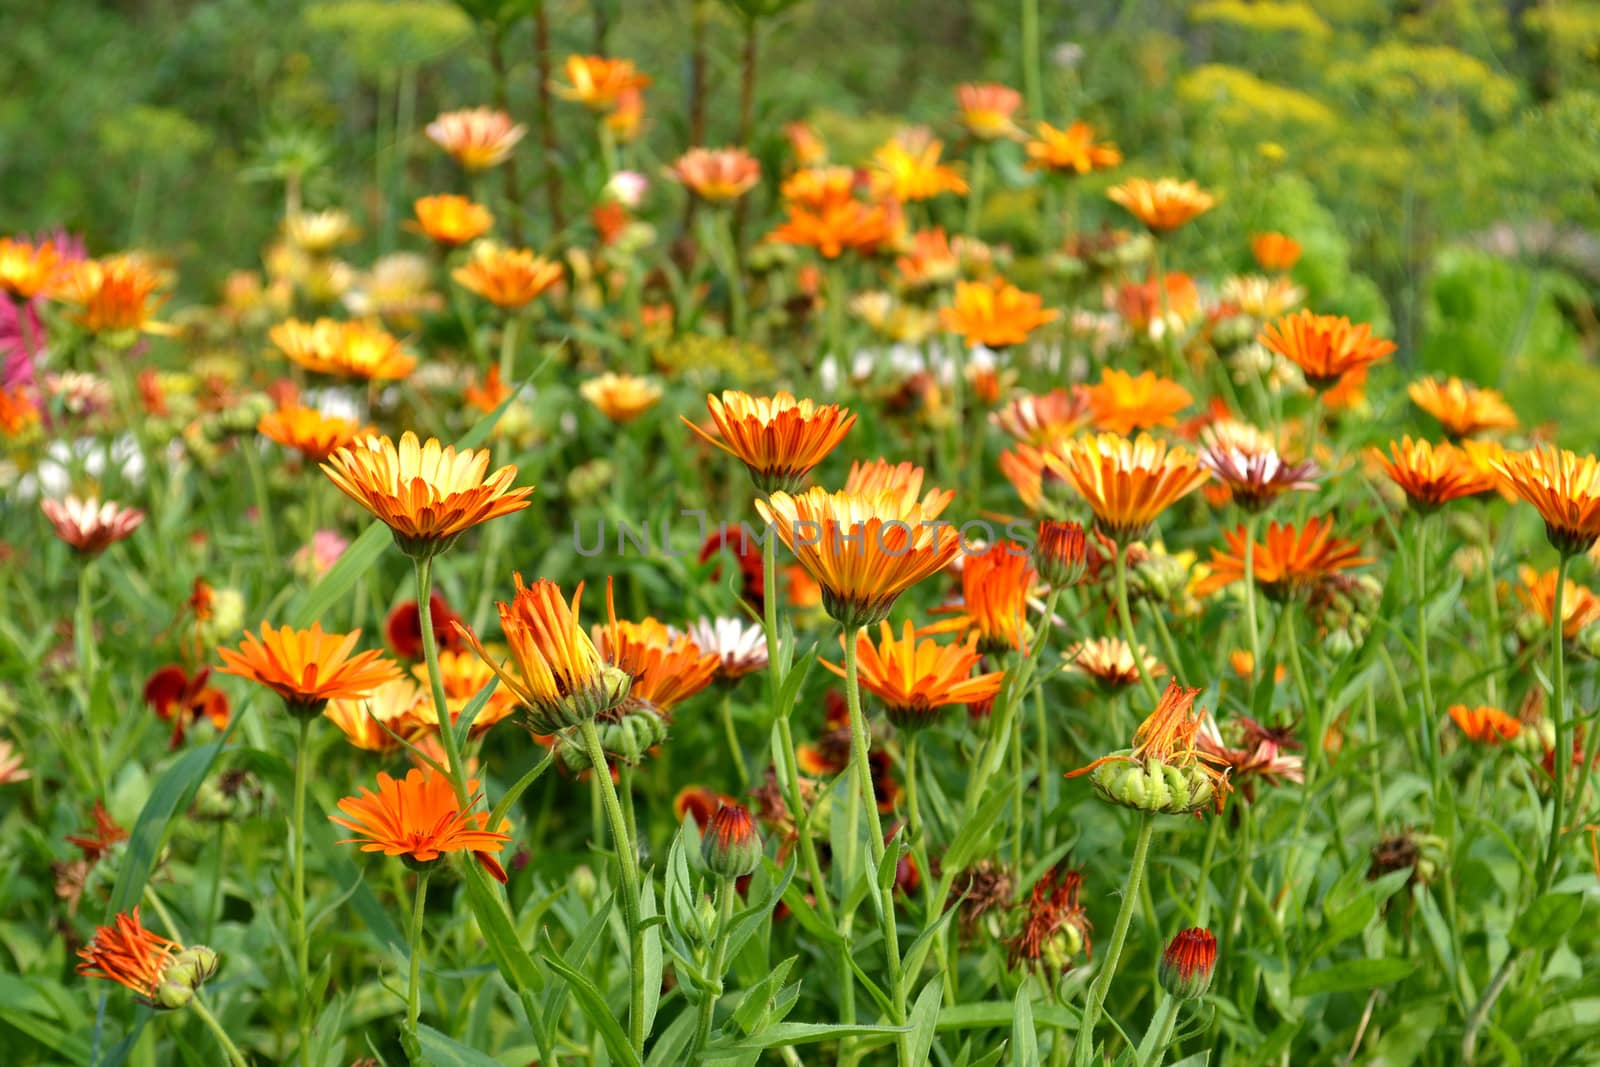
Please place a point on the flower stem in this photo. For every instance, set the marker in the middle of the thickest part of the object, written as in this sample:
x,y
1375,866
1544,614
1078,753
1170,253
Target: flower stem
x,y
430,652
1161,1027
1252,523
1126,618
1119,934
733,741
726,895
980,174
627,861
1562,759
302,939
1491,605
229,1049
1428,734
414,987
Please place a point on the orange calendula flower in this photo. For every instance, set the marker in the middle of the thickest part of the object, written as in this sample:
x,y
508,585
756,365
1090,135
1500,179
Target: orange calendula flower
x,y
779,439
1163,204
666,667
1143,308
1126,483
1054,416
28,270
716,175
427,494
986,109
864,550
915,679
626,119
18,413
91,526
930,262
836,228
162,973
310,432
621,397
1537,591
994,596
1326,348
344,349
1485,725
1164,771
995,313
1123,403
510,278
113,295
1110,662
1463,409
419,819
815,188
1070,151
1275,251
450,220
1563,487
1288,562
905,479
487,395
476,138
308,668
377,721
1431,475
907,169
555,671
805,145
598,82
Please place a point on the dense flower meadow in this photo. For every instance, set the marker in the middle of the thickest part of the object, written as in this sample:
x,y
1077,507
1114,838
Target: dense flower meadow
x,y
707,634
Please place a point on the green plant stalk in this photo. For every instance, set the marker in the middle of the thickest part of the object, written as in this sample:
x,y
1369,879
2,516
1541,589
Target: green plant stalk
x,y
1429,733
1252,523
1126,618
430,650
1169,329
302,937
975,189
258,485
1558,704
414,986
627,861
215,896
1154,1049
1032,82
726,895
1313,433
1491,607
229,1049
837,300
860,747
1313,709
1084,1052
85,647
731,272
495,535
732,735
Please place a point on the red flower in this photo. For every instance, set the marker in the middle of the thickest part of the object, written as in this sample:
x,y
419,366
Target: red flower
x,y
182,700
403,628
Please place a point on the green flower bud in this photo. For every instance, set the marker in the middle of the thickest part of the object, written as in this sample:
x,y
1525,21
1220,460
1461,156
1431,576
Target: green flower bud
x,y
1188,963
731,846
1154,786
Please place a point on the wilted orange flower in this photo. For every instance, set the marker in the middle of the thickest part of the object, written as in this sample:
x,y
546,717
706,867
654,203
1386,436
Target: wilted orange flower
x,y
1163,204
420,819
717,175
1288,562
626,120
26,269
377,721
555,671
487,395
929,262
450,220
1055,926
1431,475
700,802
427,494
126,953
1537,591
863,550
914,679
621,397
836,227
308,668
815,188
805,145
994,596
1325,347
779,439
1122,403
1142,308
1463,409
1054,416
1275,251
89,525
1248,468
986,109
347,349
1110,661
113,294
906,479
666,667
1127,484
476,138
1485,725
507,277
1563,487
1070,151
310,432
907,168
598,82
181,699
1167,738
995,313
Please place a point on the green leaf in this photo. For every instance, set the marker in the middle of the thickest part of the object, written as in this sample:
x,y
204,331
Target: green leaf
x,y
516,966
355,561
441,1051
671,1048
172,792
924,1019
595,1009
1546,921
1353,975
652,954
976,831
991,1013
1024,1038
751,1014
810,1033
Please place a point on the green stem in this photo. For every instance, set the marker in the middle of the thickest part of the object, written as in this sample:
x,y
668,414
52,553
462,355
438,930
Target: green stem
x,y
1154,1050
302,939
229,1049
414,987
1119,934
1558,706
258,484
732,735
430,651
1252,523
731,271
1126,618
980,175
1491,608
88,666
1311,707
216,883
1169,328
726,895
1032,82
627,861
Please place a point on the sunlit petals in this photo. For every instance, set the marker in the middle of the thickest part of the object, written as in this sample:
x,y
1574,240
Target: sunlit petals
x,y
1163,204
1563,487
1126,483
476,138
779,439
914,679
308,668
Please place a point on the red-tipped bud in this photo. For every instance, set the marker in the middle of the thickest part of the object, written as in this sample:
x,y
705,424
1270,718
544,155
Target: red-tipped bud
x,y
1060,553
1188,962
730,846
